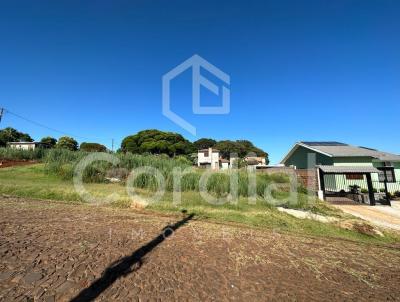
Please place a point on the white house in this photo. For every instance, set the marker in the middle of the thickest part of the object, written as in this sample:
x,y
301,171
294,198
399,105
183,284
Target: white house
x,y
208,158
224,164
26,145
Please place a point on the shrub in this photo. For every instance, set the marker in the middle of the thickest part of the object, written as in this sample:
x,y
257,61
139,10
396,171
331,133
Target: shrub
x,y
397,194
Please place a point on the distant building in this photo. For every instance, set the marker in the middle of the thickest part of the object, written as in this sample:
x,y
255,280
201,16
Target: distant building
x,y
208,158
26,145
224,164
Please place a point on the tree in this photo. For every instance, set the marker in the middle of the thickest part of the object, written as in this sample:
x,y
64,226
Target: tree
x,y
92,147
227,147
157,142
49,141
11,135
204,143
241,147
66,142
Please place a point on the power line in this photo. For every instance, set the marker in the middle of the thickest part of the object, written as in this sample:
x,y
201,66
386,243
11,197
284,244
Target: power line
x,y
41,125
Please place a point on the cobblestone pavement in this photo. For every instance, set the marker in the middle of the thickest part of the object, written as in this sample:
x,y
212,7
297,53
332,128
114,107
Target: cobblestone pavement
x,y
53,251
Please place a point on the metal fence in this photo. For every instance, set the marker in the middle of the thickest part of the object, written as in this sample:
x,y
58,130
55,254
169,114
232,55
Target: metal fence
x,y
337,183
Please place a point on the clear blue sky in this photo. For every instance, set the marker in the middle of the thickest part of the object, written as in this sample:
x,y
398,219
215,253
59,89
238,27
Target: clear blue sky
x,y
300,70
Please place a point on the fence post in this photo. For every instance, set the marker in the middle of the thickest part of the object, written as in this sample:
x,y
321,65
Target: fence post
x,y
370,190
387,192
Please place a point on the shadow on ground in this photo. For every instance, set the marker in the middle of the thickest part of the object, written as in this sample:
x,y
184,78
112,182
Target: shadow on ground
x,y
124,266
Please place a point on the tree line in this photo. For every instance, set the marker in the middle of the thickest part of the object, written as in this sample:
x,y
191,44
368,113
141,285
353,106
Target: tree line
x,y
159,142
150,141
65,142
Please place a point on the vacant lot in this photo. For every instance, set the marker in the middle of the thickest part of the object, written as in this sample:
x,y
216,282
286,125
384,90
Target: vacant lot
x,y
57,251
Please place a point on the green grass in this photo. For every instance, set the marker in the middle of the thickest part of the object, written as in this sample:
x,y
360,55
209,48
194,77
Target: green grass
x,y
15,154
33,181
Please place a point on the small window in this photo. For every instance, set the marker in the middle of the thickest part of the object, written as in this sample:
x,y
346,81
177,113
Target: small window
x,y
386,173
354,176
206,154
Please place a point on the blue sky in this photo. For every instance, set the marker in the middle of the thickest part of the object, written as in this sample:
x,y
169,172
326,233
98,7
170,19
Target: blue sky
x,y
300,70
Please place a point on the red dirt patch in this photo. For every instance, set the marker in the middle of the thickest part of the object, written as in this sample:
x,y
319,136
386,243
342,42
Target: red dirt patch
x,y
10,163
51,250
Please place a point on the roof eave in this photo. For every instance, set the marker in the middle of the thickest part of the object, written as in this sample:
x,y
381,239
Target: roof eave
x,y
299,144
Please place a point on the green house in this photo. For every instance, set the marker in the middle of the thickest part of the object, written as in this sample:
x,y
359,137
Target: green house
x,y
341,166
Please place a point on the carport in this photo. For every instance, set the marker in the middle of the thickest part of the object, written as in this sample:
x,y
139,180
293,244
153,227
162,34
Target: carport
x,y
346,170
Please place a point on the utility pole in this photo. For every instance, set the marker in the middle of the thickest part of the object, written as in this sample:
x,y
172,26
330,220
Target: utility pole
x,y
1,113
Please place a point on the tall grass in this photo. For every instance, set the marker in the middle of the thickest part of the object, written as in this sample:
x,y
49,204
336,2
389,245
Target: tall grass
x,y
62,163
15,154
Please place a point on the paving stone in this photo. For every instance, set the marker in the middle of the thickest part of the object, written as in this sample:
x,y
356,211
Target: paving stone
x,y
66,286
5,275
49,299
32,277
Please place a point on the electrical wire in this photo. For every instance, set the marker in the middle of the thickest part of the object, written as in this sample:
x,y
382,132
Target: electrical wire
x,y
46,127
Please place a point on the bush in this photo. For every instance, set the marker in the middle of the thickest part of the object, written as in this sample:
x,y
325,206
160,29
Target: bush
x,y
364,191
397,194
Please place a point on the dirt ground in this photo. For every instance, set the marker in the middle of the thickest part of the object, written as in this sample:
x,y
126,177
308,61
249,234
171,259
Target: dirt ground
x,y
10,163
57,252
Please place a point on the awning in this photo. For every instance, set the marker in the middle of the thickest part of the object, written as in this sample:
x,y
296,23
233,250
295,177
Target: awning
x,y
348,169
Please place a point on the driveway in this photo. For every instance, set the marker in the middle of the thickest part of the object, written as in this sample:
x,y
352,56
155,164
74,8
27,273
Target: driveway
x,y
380,215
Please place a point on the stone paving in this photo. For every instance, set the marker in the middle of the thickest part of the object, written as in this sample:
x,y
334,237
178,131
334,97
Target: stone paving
x,y
53,251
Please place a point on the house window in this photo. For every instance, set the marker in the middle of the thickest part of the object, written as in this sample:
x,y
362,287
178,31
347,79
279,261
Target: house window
x,y
386,173
205,153
354,176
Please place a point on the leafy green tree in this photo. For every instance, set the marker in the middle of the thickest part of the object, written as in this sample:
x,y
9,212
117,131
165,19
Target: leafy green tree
x,y
12,135
66,142
204,143
50,141
157,142
92,147
241,147
227,147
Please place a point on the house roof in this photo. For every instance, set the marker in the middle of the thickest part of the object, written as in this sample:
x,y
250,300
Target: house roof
x,y
348,169
223,160
24,143
336,149
206,150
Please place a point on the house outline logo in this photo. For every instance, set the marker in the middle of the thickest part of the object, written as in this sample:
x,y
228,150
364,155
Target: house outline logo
x,y
196,63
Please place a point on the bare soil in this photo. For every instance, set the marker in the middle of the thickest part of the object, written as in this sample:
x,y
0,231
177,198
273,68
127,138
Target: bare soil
x,y
10,163
54,251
